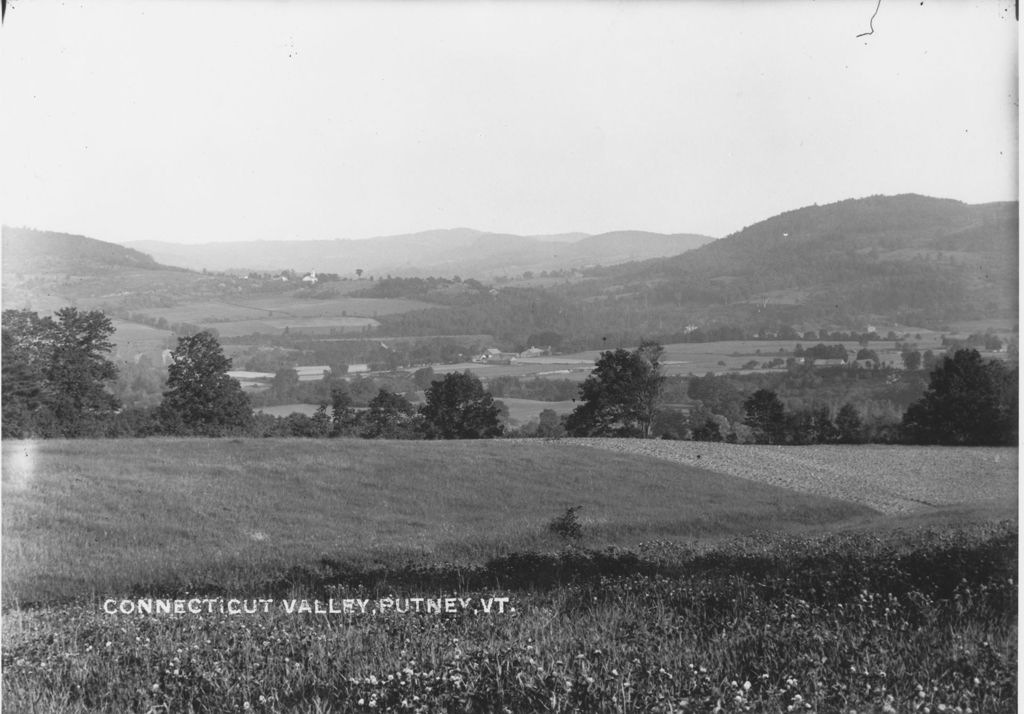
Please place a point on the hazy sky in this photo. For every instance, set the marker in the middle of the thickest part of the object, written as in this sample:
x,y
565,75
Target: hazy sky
x,y
206,121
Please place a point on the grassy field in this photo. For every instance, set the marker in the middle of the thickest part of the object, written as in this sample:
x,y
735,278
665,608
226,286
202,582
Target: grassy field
x,y
246,315
521,411
687,589
890,479
685,358
189,509
131,339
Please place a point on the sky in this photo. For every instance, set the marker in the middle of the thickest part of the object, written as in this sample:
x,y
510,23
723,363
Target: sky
x,y
226,120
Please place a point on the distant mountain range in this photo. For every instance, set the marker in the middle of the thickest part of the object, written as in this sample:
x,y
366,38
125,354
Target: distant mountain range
x,y
457,251
908,259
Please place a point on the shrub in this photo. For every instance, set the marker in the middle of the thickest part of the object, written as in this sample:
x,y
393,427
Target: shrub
x,y
567,525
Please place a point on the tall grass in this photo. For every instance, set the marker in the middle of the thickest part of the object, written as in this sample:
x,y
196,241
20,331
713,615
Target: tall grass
x,y
921,621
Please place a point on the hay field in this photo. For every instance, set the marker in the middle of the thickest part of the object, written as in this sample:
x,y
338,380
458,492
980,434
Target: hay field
x,y
87,515
522,411
889,479
272,314
730,595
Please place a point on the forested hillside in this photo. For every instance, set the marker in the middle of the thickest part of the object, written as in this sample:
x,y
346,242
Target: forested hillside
x,y
26,250
913,259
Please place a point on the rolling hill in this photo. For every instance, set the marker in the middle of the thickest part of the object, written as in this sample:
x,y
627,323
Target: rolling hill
x,y
26,250
44,270
909,258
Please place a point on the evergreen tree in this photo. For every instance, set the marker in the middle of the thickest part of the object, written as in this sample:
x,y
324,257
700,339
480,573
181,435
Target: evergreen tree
x,y
849,425
78,373
56,376
766,416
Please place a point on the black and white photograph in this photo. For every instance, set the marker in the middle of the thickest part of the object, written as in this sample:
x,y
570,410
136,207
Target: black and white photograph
x,y
509,356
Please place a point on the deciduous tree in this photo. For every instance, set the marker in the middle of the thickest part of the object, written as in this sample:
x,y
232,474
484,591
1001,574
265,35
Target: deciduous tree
x,y
390,416
201,398
621,395
458,407
969,401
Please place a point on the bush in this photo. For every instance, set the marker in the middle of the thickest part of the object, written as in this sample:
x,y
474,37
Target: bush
x,y
567,525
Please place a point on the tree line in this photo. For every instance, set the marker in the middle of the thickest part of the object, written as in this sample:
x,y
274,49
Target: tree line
x,y
56,379
969,401
57,375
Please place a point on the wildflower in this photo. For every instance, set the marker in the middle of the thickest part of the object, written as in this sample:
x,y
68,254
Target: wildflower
x,y
746,686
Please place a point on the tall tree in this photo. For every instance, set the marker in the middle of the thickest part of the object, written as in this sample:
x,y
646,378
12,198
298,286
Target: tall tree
x,y
911,360
849,425
79,372
390,416
621,395
56,375
201,398
457,407
766,416
969,401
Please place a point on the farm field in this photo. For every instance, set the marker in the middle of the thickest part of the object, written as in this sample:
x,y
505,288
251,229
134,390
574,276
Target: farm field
x,y
71,508
568,368
272,315
687,589
889,479
131,339
250,308
683,358
702,357
283,410
304,325
521,411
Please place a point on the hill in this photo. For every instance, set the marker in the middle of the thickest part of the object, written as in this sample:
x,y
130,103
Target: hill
x,y
457,251
26,250
44,270
909,258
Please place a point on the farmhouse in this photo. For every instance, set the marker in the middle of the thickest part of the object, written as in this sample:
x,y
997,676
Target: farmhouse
x,y
496,356
310,278
533,352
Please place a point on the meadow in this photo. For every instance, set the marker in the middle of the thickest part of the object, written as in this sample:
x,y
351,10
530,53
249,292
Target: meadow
x,y
675,588
250,314
685,358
